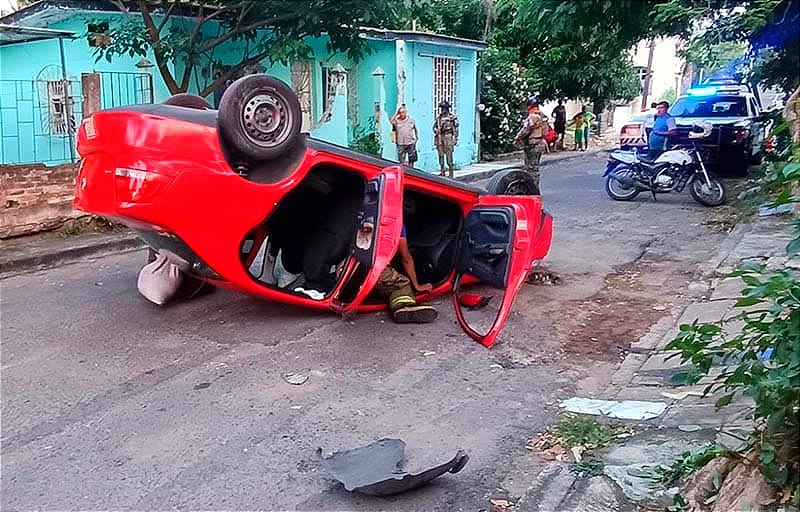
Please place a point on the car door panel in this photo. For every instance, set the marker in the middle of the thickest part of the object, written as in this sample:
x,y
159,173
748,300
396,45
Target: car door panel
x,y
379,225
501,235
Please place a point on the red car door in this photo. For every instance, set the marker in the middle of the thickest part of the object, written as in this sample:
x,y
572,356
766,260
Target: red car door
x,y
497,248
379,225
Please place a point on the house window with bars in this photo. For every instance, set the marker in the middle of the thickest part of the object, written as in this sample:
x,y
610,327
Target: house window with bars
x,y
60,105
301,84
328,87
444,81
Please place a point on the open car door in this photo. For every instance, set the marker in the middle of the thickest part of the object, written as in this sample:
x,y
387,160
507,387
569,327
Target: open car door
x,y
380,222
500,239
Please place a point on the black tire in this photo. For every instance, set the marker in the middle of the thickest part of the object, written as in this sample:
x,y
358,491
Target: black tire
x,y
616,190
713,197
188,100
512,182
259,117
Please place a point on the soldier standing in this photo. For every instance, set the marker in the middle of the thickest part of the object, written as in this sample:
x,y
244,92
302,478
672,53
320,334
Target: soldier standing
x,y
531,138
445,136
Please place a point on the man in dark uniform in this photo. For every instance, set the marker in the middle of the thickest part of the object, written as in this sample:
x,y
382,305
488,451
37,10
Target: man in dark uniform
x,y
560,123
445,136
531,138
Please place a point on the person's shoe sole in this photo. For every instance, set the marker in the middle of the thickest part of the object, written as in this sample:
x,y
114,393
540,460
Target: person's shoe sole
x,y
415,315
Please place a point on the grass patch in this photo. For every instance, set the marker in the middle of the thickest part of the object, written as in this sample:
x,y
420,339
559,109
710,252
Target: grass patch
x,y
586,432
587,468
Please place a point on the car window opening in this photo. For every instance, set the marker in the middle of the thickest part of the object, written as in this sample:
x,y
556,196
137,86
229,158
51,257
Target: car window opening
x,y
304,244
309,235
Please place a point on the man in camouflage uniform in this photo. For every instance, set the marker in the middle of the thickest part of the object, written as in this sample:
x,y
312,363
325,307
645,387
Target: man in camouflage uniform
x,y
445,136
531,138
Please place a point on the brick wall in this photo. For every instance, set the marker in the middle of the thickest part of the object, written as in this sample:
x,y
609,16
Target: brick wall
x,y
35,198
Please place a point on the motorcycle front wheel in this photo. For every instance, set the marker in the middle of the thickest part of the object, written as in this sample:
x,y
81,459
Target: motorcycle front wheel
x,y
713,195
618,191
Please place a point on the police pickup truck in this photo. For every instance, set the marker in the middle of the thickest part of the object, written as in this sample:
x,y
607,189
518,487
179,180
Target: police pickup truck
x,y
739,128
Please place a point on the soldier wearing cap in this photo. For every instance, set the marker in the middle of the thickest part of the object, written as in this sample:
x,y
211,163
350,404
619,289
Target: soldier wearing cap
x,y
445,136
531,138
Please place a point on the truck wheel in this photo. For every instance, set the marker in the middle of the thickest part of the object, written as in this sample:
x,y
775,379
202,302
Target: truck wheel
x,y
512,182
188,100
259,117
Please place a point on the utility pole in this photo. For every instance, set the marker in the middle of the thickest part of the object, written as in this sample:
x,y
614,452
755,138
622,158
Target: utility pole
x,y
648,74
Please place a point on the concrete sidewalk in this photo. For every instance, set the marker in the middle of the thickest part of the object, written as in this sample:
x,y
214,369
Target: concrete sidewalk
x,y
49,249
690,420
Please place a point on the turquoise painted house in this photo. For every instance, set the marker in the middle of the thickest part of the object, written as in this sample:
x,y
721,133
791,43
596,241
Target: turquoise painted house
x,y
342,100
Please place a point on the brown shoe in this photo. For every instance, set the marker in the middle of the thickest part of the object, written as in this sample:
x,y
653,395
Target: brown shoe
x,y
420,314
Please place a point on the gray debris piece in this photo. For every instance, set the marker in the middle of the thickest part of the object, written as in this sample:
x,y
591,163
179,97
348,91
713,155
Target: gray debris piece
x,y
378,469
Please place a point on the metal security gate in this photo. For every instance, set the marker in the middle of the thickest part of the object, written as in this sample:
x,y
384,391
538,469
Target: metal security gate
x,y
118,89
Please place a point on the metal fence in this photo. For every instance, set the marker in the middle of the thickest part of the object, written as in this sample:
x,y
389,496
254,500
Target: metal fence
x,y
118,89
38,118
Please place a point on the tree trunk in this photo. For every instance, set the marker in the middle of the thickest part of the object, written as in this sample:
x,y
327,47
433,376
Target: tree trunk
x,y
791,113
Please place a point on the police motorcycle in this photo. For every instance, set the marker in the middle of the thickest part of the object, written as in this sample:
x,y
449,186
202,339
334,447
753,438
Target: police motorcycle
x,y
629,172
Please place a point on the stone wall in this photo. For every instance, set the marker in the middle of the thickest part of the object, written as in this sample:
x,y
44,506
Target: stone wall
x,y
35,198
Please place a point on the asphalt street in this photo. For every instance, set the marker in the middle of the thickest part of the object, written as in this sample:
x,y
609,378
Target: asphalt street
x,y
109,402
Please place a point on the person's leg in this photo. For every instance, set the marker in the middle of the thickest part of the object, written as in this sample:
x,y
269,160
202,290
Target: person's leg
x,y
531,162
586,137
578,139
536,158
449,155
396,288
440,151
401,154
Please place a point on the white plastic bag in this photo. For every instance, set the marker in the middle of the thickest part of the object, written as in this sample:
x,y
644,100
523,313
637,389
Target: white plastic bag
x,y
159,280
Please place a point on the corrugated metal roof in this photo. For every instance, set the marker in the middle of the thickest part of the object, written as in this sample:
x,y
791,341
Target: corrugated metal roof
x,y
13,34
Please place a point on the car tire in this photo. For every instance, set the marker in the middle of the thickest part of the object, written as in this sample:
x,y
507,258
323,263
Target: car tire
x,y
259,117
188,100
512,182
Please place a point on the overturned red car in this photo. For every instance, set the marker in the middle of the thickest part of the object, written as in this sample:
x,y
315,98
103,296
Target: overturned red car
x,y
239,198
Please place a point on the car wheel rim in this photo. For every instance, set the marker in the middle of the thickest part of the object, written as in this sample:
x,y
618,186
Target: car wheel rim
x,y
266,119
519,188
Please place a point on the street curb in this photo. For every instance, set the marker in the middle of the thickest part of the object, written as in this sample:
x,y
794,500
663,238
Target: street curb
x,y
483,175
68,255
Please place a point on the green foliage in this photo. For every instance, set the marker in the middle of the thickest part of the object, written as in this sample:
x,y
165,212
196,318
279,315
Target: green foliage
x,y
762,359
665,476
213,43
366,140
586,432
576,49
669,95
504,90
587,468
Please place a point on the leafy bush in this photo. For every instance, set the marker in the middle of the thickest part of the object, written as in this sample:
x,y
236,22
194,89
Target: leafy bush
x,y
764,356
504,89
366,140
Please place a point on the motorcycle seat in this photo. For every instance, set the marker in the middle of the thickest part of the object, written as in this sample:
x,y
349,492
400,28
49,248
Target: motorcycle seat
x,y
648,158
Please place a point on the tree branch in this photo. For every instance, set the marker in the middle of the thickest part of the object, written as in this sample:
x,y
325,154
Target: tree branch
x,y
166,74
227,74
247,28
166,17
